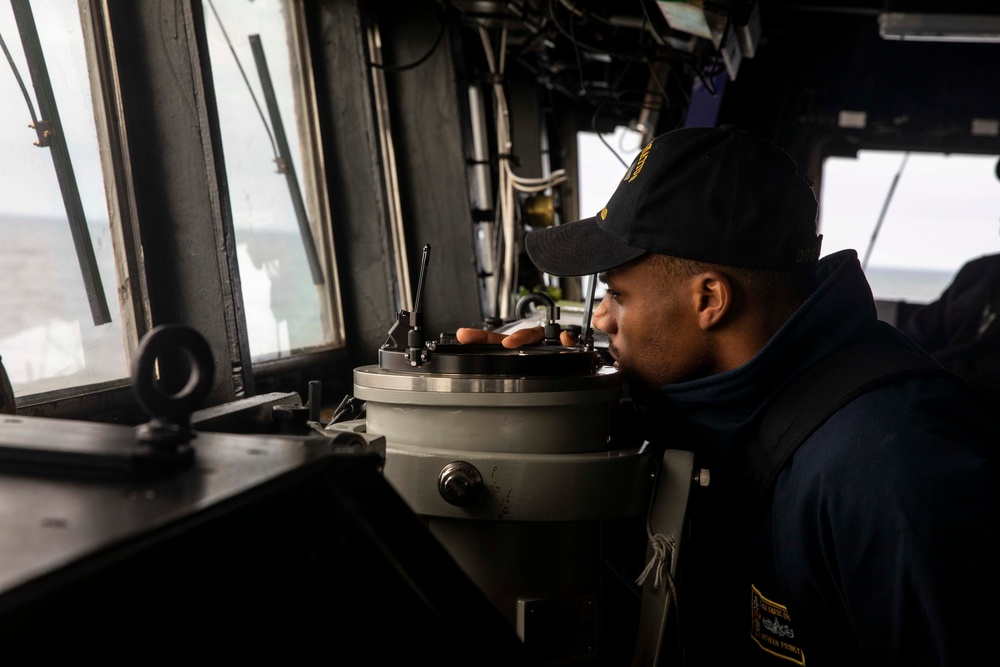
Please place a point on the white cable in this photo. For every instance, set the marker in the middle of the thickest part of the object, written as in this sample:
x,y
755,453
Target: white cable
x,y
505,184
507,181
537,188
558,175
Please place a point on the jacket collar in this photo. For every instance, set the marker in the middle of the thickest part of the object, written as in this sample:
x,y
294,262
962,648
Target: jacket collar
x,y
721,408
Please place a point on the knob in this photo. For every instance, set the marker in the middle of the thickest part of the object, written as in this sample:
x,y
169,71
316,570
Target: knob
x,y
460,483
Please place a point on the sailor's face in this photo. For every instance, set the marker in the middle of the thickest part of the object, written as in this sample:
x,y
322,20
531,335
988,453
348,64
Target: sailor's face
x,y
650,319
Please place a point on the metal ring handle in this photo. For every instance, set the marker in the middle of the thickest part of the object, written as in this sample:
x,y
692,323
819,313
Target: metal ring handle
x,y
173,407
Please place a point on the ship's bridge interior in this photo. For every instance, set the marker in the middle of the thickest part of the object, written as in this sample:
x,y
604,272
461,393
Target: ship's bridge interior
x,y
237,238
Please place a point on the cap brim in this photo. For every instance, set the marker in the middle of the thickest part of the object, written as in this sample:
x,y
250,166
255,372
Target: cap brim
x,y
577,249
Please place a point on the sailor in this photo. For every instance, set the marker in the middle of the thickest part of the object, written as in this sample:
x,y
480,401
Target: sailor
x,y
960,329
853,516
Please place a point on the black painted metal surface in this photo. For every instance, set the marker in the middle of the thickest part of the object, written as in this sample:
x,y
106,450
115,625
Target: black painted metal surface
x,y
266,549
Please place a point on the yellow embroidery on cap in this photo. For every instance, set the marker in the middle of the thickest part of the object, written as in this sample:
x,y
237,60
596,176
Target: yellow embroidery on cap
x,y
604,213
641,161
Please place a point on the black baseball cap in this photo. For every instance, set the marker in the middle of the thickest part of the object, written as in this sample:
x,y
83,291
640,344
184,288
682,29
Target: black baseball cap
x,y
714,195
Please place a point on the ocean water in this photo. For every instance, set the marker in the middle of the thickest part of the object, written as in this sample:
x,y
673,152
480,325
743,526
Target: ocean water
x,y
910,285
47,331
48,339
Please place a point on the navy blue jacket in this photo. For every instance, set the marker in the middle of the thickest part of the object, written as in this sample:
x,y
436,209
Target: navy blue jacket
x,y
881,544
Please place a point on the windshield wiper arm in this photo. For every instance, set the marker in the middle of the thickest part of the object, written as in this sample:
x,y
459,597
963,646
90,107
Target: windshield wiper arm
x,y
285,154
50,134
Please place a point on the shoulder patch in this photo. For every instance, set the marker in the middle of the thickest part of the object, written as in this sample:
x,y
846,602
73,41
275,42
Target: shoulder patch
x,y
771,628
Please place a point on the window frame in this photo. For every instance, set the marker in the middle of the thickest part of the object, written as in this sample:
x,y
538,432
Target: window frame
x,y
152,90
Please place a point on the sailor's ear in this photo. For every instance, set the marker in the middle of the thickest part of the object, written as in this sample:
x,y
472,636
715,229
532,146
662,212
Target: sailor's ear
x,y
713,298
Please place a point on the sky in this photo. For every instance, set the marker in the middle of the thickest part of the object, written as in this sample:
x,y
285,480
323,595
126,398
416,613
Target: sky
x,y
944,210
32,190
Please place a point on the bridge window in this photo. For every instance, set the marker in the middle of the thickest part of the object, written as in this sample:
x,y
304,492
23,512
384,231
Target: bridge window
x,y
76,290
61,323
267,114
603,160
942,212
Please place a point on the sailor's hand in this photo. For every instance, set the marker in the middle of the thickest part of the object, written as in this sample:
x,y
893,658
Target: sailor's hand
x,y
567,339
518,338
